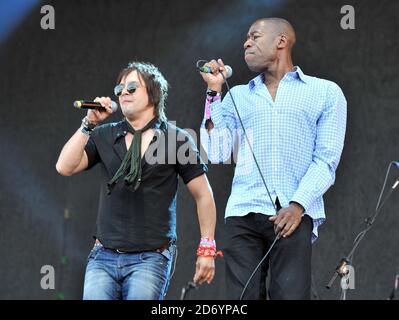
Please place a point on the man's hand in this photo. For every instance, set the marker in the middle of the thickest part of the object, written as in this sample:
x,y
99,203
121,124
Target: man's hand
x,y
214,79
204,270
287,220
96,116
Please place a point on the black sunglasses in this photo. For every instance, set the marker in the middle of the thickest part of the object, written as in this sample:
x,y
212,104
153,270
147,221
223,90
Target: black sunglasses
x,y
130,87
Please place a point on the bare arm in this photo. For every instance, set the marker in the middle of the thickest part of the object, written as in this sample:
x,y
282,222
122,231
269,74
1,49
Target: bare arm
x,y
206,209
73,158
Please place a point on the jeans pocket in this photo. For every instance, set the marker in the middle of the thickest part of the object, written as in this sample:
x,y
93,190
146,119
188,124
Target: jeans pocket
x,y
94,252
169,252
154,258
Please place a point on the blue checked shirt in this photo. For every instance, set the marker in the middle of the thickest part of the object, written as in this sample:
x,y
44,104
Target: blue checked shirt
x,y
297,140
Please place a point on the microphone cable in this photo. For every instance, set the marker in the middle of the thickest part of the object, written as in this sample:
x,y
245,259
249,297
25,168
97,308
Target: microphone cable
x,y
259,264
278,236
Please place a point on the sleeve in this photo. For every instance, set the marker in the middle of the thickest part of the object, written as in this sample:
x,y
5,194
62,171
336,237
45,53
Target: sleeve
x,y
92,152
329,143
218,142
189,162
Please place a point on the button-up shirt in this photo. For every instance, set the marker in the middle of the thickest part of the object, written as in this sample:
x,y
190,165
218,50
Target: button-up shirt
x,y
297,140
146,218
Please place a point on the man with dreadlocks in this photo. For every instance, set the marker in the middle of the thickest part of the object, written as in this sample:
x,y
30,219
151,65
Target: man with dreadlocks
x,y
135,234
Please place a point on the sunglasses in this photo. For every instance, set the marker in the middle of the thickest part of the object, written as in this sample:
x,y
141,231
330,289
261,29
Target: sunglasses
x,y
130,87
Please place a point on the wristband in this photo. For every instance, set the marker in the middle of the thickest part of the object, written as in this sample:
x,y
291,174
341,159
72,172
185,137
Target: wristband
x,y
207,248
212,93
208,101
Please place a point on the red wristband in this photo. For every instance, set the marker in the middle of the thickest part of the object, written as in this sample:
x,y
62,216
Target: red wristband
x,y
207,248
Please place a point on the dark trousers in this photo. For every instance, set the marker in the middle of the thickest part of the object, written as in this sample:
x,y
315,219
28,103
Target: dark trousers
x,y
289,263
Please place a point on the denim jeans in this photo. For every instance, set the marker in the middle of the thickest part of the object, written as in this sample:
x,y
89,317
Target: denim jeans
x,y
127,276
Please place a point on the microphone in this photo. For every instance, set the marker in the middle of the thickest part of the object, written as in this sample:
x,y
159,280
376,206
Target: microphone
x,y
84,104
205,69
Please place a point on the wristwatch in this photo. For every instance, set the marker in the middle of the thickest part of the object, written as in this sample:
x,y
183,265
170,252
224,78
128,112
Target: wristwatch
x,y
87,127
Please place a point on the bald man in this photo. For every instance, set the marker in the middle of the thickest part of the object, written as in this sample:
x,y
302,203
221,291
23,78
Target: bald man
x,y
296,126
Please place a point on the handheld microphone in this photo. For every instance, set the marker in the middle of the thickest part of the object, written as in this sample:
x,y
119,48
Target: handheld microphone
x,y
84,104
205,69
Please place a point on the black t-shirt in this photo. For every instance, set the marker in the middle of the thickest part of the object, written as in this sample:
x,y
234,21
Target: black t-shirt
x,y
146,218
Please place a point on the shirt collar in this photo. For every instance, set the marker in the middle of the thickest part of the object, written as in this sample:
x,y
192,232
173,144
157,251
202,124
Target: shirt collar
x,y
296,74
257,81
122,130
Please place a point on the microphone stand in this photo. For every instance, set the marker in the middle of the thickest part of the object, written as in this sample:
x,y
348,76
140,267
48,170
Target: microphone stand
x,y
190,285
395,286
344,267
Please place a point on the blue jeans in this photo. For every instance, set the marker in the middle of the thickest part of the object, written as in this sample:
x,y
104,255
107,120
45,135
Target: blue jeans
x,y
128,276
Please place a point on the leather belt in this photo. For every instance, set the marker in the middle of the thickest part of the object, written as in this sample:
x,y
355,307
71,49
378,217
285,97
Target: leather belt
x,y
160,250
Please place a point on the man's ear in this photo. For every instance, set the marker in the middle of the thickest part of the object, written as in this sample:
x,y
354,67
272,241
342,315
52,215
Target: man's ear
x,y
282,41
